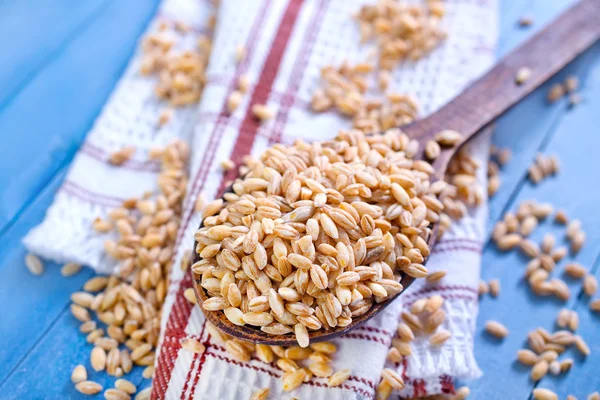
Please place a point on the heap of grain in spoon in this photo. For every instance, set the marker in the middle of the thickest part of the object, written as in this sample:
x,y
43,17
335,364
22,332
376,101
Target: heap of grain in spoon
x,y
316,234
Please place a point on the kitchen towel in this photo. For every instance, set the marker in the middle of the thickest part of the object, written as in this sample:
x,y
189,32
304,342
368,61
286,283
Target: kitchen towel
x,y
286,44
93,186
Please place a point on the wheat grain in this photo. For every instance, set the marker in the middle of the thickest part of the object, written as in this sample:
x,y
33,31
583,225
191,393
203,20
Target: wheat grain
x,y
528,225
432,150
80,313
383,391
562,337
539,370
260,394
88,387
544,394
560,289
440,337
148,372
555,92
165,116
571,83
525,21
320,369
508,241
95,284
403,347
448,138
292,380
121,156
70,269
590,285
558,253
192,345
79,374
529,248
582,346
573,227
566,364
338,378
405,333
98,358
34,264
536,341
297,353
561,217
324,347
483,288
462,393
576,271
87,327
554,368
494,287
496,329
392,378
144,394
234,100
113,361
549,355
116,394
577,241
595,305
523,74
527,357
237,350
190,295
262,112
435,276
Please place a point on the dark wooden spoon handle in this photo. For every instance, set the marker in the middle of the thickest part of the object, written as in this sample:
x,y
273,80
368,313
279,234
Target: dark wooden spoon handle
x,y
545,54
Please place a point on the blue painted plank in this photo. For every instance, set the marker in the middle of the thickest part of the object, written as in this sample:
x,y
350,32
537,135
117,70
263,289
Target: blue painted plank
x,y
573,140
27,313
62,348
524,127
49,334
542,12
31,36
47,121
583,378
78,83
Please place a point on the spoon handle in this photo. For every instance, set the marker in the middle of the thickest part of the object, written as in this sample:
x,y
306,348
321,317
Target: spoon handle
x,y
545,54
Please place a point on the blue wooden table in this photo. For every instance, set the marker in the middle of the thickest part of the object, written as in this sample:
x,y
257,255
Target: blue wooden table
x,y
61,59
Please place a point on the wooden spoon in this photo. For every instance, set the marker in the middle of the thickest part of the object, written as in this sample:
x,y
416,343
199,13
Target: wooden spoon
x,y
479,105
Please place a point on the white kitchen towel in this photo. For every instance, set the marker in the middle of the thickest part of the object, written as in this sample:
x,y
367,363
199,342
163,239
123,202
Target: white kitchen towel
x,y
93,186
286,44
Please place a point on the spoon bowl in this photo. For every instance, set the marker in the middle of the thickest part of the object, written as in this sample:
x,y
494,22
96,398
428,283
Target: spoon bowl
x,y
255,335
469,113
